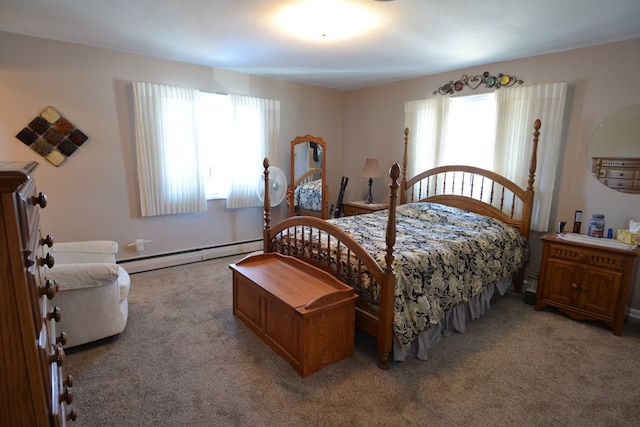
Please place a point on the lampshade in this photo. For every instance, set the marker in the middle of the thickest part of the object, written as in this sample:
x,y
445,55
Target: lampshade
x,y
371,169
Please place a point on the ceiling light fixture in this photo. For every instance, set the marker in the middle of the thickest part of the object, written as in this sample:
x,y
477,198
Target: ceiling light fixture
x,y
326,20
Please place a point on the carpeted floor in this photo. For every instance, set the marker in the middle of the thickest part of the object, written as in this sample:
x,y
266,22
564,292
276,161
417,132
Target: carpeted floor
x,y
185,360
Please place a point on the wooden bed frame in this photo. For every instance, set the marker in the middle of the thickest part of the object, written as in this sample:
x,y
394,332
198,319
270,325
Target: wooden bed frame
x,y
490,194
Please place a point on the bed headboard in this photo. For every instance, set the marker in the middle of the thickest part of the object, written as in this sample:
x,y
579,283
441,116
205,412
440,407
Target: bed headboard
x,y
474,189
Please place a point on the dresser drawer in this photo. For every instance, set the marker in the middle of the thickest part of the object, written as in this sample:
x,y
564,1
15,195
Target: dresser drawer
x,y
621,173
618,184
595,258
28,200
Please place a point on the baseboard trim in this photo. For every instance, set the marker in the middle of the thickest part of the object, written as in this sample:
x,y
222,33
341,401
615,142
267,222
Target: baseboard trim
x,y
138,265
634,314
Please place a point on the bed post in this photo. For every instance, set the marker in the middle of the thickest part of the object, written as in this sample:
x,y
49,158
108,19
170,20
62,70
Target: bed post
x,y
533,164
405,155
266,233
518,280
387,291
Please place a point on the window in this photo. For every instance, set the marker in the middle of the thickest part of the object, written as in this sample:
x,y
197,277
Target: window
x,y
193,145
214,137
470,131
235,133
493,131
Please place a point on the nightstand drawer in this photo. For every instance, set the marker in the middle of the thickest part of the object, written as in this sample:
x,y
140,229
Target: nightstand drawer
x,y
596,258
361,208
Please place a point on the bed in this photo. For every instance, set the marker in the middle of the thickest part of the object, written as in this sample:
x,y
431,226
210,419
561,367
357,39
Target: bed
x,y
307,193
393,258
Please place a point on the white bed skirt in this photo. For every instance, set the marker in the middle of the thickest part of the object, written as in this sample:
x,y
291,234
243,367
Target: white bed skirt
x,y
452,320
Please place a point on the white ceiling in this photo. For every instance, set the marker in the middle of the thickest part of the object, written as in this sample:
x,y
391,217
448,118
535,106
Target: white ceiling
x,y
414,37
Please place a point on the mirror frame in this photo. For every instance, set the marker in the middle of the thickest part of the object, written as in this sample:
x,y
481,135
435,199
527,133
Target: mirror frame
x,y
324,210
613,154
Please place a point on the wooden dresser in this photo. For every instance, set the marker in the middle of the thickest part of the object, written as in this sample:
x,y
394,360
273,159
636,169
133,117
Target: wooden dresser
x,y
619,173
586,282
33,390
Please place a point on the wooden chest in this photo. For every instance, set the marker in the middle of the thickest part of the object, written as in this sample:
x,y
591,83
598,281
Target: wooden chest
x,y
304,314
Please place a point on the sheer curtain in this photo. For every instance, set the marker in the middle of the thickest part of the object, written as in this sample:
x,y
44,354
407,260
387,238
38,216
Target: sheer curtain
x,y
169,174
517,109
426,119
256,124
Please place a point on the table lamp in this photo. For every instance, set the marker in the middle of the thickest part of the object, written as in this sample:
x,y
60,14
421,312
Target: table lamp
x,y
371,170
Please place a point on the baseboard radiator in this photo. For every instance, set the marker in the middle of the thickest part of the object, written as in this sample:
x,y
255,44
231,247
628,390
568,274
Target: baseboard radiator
x,y
138,265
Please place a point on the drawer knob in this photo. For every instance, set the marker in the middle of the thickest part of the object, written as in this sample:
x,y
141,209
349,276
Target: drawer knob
x,y
67,395
72,415
55,314
48,260
574,286
68,381
57,356
49,289
40,200
62,338
47,241
28,262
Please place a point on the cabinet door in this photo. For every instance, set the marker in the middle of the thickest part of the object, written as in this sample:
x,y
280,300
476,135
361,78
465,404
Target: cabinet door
x,y
600,289
561,282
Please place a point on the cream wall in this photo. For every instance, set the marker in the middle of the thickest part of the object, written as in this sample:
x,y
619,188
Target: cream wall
x,y
603,80
93,194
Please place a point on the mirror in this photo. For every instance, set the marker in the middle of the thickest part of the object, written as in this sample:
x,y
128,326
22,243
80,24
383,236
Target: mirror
x,y
613,155
308,192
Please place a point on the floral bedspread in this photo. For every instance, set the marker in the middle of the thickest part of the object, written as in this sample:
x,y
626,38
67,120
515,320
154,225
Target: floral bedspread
x,y
443,257
309,195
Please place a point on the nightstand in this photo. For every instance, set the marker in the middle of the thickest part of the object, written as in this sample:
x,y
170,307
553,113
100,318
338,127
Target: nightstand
x,y
585,281
362,207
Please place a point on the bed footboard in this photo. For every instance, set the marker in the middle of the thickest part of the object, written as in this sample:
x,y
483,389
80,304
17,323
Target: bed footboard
x,y
330,249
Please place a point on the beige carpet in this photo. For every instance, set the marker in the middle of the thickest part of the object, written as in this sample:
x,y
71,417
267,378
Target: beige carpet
x,y
185,360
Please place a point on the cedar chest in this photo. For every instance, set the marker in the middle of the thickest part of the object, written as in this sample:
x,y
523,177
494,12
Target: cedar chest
x,y
304,314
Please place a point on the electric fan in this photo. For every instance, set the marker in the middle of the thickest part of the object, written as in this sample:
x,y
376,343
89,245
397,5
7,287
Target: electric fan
x,y
277,186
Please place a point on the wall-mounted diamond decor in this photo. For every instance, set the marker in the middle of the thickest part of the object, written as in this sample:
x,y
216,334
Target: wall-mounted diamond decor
x,y
52,136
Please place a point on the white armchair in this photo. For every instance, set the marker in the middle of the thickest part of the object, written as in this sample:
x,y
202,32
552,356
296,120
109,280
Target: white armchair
x,y
92,290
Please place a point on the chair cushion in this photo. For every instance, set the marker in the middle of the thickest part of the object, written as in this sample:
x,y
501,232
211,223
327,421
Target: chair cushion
x,y
84,275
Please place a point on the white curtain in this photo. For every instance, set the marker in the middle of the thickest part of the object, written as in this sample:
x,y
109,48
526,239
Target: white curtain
x,y
517,109
169,175
426,122
256,124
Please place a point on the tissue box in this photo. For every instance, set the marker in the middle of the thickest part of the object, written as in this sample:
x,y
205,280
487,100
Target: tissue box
x,y
628,237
